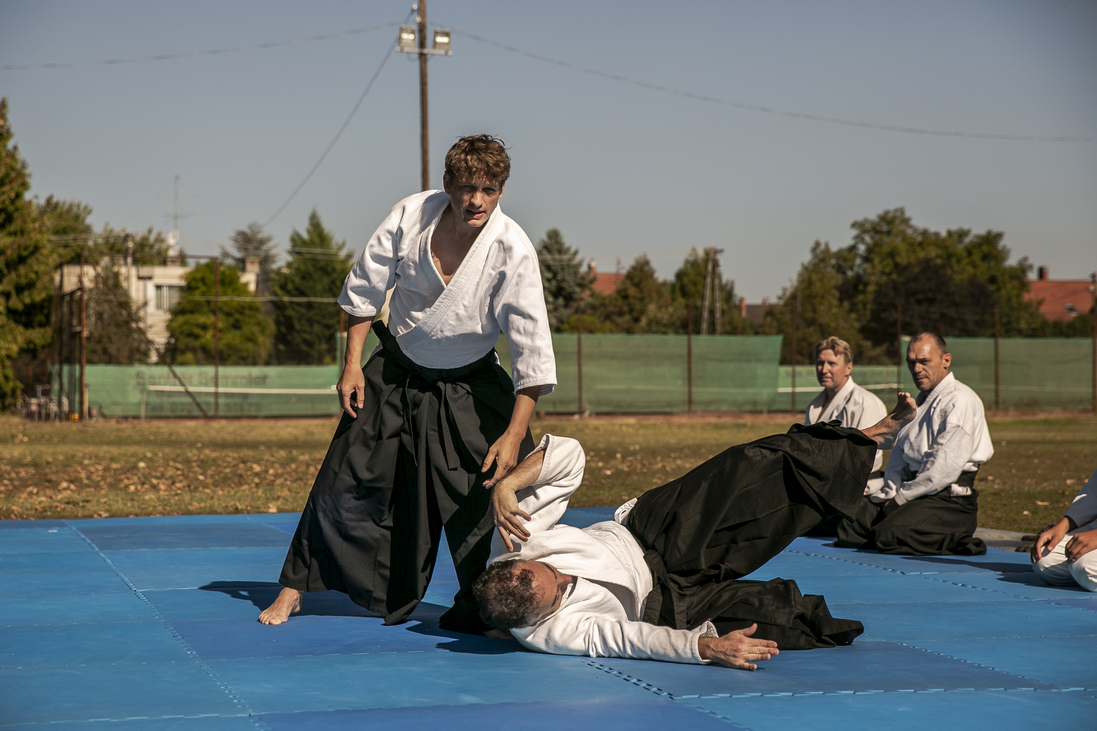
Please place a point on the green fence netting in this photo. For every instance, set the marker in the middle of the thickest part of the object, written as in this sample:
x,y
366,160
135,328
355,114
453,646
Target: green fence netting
x,y
620,374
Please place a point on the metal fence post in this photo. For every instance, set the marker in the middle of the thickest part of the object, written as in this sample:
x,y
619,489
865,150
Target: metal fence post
x,y
216,337
579,353
997,374
689,358
82,413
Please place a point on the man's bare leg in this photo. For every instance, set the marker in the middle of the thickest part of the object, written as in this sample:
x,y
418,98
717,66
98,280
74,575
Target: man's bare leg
x,y
288,602
883,432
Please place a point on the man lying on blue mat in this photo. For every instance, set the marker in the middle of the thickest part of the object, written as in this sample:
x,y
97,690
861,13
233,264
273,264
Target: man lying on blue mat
x,y
660,580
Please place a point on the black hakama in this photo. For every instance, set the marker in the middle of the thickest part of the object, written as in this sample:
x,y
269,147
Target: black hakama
x,y
406,466
736,511
931,525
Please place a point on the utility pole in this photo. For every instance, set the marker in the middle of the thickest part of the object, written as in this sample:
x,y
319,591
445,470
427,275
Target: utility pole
x,y
424,113
175,206
712,290
579,351
997,369
414,40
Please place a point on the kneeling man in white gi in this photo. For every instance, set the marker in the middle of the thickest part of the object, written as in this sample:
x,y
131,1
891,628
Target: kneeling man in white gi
x,y
928,505
846,402
1066,553
661,580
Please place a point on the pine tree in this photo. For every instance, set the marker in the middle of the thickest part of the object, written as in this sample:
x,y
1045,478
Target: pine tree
x,y
562,277
115,331
27,262
317,267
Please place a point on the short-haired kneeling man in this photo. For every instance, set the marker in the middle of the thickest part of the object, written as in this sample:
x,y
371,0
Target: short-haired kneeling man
x,y
660,580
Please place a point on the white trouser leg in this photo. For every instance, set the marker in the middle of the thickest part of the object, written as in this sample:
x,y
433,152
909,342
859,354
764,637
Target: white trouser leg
x,y
1054,568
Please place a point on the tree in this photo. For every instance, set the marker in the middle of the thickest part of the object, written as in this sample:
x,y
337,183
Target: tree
x,y
251,243
562,277
245,332
26,265
317,267
115,331
641,303
688,293
820,311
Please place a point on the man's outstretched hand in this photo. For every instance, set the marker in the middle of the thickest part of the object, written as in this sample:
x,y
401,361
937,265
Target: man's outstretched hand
x,y
737,649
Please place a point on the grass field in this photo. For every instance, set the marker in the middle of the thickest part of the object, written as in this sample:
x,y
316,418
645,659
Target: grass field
x,y
129,468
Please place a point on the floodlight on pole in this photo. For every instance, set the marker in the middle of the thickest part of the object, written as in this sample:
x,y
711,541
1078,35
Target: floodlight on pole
x,y
406,42
412,39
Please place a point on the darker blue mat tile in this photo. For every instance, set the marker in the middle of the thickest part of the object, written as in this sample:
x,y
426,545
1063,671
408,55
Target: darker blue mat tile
x,y
967,620
357,682
87,559
200,535
1078,602
63,608
83,644
632,715
167,560
863,666
17,524
155,578
207,722
889,588
994,562
1064,662
1024,584
799,565
245,638
41,540
111,691
89,581
966,709
245,600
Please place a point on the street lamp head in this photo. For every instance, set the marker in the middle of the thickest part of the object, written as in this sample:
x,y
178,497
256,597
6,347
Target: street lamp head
x,y
406,40
441,41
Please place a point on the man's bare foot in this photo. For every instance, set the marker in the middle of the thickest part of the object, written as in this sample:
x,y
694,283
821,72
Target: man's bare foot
x,y
883,432
288,602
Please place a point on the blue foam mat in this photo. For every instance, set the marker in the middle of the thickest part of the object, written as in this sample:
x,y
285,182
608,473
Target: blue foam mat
x,y
184,651
631,714
1001,711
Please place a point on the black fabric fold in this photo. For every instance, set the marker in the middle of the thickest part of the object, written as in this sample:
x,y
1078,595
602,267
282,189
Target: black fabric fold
x,y
727,517
394,476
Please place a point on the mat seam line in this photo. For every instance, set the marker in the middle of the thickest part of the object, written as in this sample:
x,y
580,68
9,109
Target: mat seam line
x,y
210,672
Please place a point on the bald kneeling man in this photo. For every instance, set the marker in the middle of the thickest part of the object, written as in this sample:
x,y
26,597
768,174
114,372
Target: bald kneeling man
x,y
928,505
660,580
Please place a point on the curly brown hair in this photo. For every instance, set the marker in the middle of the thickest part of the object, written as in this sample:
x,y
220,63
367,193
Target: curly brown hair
x,y
478,156
505,595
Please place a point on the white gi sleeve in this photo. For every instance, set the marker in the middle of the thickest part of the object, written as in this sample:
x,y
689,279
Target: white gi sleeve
x,y
523,318
1083,509
949,451
374,273
593,625
547,498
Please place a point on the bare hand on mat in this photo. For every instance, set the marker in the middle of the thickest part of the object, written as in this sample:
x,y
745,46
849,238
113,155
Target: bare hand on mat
x,y
737,649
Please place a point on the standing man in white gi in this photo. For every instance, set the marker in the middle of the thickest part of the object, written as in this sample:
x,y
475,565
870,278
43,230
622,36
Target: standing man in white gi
x,y
928,505
432,419
1066,553
846,402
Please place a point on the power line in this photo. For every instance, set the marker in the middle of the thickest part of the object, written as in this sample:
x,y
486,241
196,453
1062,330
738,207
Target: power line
x,y
388,54
766,110
195,54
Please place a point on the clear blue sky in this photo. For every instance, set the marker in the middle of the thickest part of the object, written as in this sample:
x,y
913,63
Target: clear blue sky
x,y
620,169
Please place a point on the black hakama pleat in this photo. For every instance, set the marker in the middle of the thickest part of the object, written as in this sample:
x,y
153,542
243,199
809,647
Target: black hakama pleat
x,y
406,466
931,525
733,513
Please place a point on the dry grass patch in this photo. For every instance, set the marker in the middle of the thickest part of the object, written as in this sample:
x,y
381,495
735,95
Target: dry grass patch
x,y
131,468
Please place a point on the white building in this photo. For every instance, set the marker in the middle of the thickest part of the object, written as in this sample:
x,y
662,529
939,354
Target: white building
x,y
153,289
